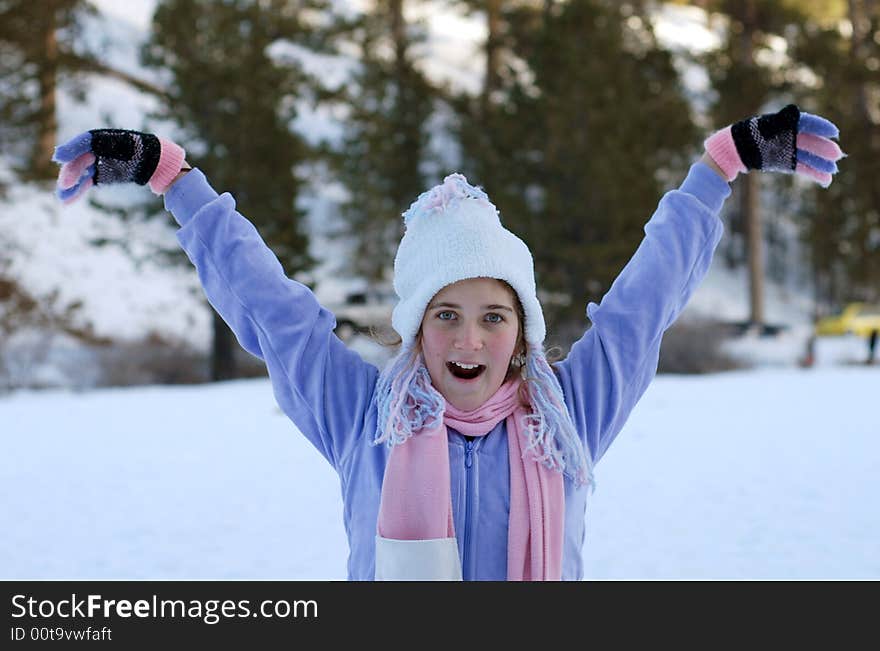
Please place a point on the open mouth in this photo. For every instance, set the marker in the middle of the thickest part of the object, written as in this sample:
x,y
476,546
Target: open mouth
x,y
465,371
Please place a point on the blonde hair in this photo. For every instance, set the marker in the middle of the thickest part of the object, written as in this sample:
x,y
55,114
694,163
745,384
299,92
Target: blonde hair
x,y
408,402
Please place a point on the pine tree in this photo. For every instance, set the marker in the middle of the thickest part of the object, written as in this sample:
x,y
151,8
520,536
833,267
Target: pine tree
x,y
745,87
843,228
41,49
33,56
234,104
382,155
574,149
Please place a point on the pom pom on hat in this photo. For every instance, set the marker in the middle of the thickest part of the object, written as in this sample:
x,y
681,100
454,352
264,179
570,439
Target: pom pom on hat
x,y
453,232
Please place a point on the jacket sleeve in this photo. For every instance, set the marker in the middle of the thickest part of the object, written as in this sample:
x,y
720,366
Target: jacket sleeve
x,y
321,385
610,367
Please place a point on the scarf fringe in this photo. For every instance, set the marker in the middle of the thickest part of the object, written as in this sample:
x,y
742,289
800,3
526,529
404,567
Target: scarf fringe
x,y
407,401
551,433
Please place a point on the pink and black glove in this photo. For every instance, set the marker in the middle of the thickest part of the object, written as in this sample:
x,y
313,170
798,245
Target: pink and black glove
x,y
789,141
104,156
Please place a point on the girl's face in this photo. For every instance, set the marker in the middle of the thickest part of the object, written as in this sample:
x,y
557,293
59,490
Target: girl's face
x,y
469,332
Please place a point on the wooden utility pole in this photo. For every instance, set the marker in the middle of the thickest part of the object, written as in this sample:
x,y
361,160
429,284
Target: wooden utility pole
x,y
751,189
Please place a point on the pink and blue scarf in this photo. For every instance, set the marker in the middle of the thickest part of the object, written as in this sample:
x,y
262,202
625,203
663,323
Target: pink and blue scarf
x,y
416,499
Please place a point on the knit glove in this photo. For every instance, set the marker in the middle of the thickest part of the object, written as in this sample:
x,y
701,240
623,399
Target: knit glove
x,y
789,141
104,156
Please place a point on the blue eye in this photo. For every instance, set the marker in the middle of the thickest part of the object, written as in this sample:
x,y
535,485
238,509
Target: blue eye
x,y
494,317
445,315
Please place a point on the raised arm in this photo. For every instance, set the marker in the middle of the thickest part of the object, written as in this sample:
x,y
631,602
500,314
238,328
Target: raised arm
x,y
324,387
610,367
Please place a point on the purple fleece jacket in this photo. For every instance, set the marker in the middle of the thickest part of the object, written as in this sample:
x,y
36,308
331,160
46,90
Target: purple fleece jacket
x,y
328,391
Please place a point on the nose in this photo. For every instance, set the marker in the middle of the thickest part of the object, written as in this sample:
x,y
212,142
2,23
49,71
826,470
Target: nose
x,y
468,337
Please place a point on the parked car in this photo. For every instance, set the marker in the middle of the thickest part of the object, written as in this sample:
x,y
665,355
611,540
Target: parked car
x,y
362,310
856,318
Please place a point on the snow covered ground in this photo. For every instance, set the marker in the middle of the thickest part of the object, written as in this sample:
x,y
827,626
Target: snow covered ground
x,y
764,474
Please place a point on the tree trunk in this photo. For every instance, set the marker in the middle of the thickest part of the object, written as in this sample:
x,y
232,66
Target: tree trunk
x,y
41,163
751,210
868,133
223,365
860,19
492,80
750,196
398,31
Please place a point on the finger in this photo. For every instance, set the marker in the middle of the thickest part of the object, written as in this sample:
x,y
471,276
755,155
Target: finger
x,y
72,194
71,172
823,178
819,146
816,125
816,162
76,146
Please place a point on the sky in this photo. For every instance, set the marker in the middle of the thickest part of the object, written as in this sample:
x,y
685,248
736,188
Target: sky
x,y
137,13
766,474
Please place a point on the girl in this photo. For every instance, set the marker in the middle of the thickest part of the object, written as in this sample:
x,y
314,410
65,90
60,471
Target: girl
x,y
468,456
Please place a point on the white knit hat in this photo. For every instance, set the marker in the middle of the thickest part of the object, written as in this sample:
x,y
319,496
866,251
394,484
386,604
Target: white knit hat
x,y
453,232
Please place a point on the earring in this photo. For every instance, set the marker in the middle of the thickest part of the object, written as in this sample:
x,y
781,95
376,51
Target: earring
x,y
519,361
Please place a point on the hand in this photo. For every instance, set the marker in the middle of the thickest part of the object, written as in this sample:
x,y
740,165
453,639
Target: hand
x,y
789,141
104,156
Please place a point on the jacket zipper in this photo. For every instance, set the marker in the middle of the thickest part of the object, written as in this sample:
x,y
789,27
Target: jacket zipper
x,y
469,491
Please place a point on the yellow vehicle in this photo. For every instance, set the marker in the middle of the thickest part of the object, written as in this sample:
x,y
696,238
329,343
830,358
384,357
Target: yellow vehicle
x,y
856,318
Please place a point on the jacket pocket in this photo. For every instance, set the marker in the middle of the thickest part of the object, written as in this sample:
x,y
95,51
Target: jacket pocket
x,y
417,560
